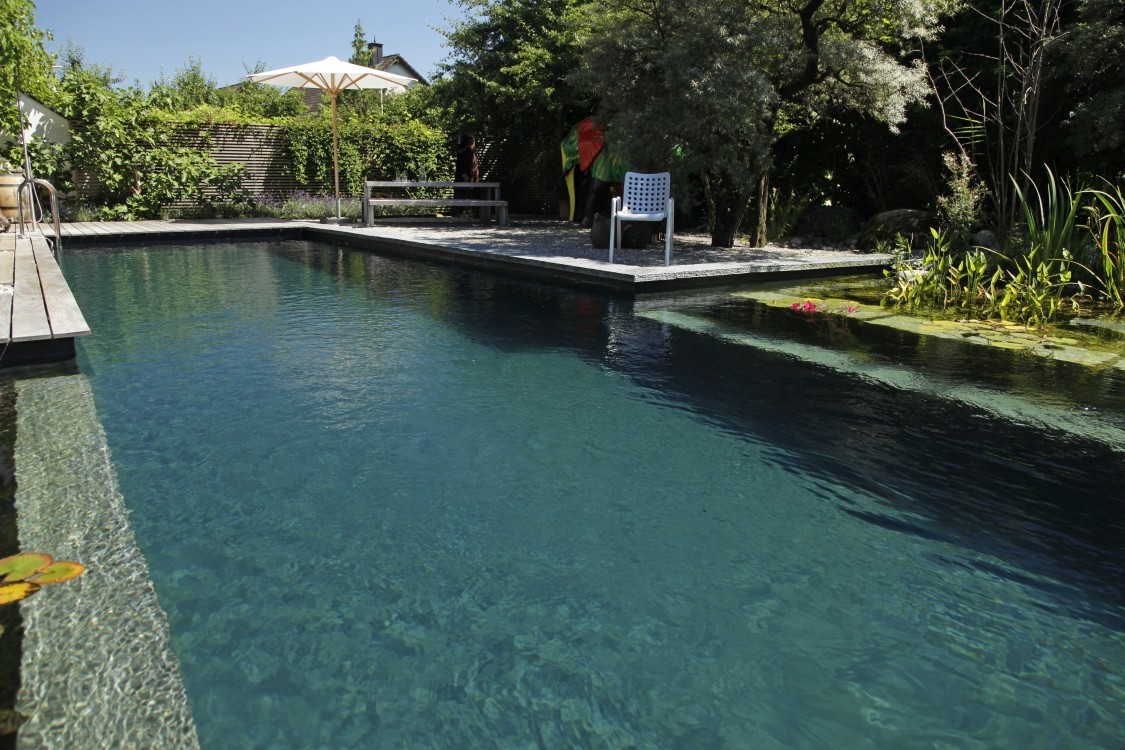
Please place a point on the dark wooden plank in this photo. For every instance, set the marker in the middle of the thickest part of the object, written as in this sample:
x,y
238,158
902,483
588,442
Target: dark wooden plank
x,y
63,315
429,184
434,202
29,316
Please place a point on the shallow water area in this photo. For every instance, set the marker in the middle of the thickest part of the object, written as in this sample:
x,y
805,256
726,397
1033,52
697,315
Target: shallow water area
x,y
392,504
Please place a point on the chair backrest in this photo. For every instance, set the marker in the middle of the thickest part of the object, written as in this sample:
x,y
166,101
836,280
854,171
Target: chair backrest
x,y
646,193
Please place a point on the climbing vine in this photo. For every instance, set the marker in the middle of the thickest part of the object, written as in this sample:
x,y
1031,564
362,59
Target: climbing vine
x,y
368,151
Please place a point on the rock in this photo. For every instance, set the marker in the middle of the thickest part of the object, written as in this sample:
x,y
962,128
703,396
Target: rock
x,y
986,238
832,223
635,234
884,227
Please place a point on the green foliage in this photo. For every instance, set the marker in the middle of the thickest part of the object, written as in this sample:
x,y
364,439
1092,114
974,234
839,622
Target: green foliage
x,y
378,150
721,82
784,211
46,160
1036,292
1094,81
944,277
1107,224
129,153
1058,265
360,55
509,81
23,60
1050,228
190,87
960,209
510,67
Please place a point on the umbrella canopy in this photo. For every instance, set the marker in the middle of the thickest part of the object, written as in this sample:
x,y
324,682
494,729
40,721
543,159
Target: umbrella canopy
x,y
332,76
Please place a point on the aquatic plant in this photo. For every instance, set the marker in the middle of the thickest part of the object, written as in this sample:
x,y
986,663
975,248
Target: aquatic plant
x,y
1107,224
1059,263
25,573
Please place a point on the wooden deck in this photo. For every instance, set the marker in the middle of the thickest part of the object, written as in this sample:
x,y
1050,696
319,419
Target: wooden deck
x,y
106,231
38,313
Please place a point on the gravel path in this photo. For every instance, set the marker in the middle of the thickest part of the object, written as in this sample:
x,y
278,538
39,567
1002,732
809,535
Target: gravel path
x,y
544,238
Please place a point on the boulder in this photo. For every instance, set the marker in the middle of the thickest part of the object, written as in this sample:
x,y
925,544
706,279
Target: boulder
x,y
882,228
986,238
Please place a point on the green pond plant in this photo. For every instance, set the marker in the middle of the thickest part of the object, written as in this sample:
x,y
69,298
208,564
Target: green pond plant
x,y
1055,263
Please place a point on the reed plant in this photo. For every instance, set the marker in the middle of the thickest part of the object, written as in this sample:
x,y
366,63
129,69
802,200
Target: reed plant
x,y
1055,260
1107,226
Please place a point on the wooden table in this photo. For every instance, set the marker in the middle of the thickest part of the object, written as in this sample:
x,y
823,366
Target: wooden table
x,y
490,201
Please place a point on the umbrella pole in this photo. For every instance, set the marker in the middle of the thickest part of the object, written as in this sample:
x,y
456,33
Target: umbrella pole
x,y
335,153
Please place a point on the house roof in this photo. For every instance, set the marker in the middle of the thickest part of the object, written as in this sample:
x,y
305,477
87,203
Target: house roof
x,y
389,61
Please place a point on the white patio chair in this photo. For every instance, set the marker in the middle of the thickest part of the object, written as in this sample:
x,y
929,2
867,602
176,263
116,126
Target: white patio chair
x,y
646,197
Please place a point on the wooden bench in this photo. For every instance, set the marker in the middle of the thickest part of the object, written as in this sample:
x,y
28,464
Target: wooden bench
x,y
484,205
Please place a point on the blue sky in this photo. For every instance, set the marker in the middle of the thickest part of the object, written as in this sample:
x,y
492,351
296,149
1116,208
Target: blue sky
x,y
140,37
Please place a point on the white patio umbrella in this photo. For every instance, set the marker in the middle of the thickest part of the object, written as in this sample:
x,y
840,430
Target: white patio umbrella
x,y
332,75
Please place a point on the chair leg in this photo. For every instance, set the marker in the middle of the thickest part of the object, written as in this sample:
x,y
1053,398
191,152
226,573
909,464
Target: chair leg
x,y
668,229
612,235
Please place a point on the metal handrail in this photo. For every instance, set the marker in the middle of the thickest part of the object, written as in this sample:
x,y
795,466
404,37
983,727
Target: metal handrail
x,y
30,185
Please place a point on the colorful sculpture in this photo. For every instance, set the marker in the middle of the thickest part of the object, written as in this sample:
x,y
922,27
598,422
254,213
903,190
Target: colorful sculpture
x,y
585,149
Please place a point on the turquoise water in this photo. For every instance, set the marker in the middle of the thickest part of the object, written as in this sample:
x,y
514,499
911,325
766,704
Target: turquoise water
x,y
395,505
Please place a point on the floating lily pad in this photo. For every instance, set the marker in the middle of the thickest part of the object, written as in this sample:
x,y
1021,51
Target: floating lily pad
x,y
13,592
19,567
58,571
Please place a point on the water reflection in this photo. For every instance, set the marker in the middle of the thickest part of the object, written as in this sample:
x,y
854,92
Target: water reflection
x,y
1044,502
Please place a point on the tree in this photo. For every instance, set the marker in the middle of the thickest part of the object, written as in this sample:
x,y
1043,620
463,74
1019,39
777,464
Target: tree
x,y
508,79
24,63
190,87
1093,50
360,55
115,140
991,93
718,82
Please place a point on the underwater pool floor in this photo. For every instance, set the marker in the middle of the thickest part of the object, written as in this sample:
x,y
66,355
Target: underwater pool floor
x,y
392,504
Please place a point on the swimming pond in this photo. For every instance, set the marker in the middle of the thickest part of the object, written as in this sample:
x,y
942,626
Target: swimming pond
x,y
388,504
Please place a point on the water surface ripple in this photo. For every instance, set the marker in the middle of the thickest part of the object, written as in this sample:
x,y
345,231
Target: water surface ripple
x,y
389,504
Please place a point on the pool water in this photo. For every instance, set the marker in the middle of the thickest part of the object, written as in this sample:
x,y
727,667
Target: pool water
x,y
396,505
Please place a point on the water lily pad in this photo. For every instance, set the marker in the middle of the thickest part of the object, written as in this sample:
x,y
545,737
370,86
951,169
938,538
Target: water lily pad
x,y
58,571
19,567
13,592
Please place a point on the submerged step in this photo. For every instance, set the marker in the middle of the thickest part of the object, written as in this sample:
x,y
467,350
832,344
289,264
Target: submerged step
x,y
1007,405
97,669
999,334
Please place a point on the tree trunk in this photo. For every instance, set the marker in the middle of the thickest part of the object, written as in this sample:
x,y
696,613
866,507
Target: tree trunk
x,y
761,238
727,208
